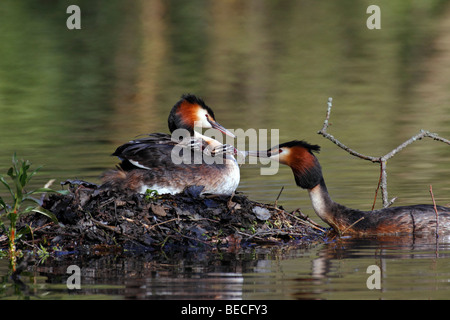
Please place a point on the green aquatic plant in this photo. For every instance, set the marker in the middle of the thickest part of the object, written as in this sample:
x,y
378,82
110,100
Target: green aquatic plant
x,y
23,202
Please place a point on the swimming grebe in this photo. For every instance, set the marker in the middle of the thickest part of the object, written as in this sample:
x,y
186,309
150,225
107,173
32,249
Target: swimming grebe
x,y
147,162
308,175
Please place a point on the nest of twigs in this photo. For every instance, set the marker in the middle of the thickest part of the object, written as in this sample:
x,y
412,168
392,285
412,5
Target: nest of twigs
x,y
105,220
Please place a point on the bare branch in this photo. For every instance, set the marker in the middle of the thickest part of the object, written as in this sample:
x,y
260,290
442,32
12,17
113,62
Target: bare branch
x,y
422,134
330,137
382,184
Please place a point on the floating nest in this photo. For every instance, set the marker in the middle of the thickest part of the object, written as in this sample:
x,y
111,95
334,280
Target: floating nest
x,y
105,221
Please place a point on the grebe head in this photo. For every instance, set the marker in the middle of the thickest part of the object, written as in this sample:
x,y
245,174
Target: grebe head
x,y
191,111
300,157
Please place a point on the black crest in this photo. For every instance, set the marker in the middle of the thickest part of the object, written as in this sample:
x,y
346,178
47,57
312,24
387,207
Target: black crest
x,y
300,143
175,121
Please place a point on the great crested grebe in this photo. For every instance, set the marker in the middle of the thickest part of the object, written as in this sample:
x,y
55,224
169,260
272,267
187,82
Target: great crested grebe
x,y
147,163
308,175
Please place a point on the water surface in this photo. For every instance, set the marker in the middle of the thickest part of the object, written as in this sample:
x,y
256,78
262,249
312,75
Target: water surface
x,y
413,268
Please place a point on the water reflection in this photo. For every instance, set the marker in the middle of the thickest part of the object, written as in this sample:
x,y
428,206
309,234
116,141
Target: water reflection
x,y
411,268
191,276
342,266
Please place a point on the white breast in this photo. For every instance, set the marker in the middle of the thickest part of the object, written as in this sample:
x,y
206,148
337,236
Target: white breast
x,y
160,189
231,178
226,184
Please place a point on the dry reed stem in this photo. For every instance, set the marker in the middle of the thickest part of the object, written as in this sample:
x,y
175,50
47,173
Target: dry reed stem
x,y
350,226
435,210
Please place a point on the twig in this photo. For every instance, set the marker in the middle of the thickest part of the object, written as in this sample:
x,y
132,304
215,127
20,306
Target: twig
x,y
324,132
308,222
381,160
342,233
435,210
41,227
104,226
271,232
146,226
276,200
305,221
376,191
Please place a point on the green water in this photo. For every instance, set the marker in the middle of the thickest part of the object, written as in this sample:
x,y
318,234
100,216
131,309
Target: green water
x,y
68,98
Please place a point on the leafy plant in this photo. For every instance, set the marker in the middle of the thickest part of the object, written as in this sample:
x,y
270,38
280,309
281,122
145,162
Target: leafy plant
x,y
20,176
151,195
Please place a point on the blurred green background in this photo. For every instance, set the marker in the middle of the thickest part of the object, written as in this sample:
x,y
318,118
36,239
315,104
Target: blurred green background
x,y
68,98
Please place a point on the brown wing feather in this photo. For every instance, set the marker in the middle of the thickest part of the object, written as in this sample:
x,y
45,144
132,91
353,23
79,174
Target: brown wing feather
x,y
155,152
148,161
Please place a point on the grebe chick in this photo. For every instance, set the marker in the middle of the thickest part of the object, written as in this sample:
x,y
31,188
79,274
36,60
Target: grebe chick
x,y
147,163
308,175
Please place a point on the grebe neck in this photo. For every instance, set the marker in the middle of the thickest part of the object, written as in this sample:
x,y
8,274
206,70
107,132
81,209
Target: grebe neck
x,y
334,214
321,201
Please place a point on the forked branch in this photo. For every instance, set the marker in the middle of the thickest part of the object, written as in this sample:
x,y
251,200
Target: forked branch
x,y
381,160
